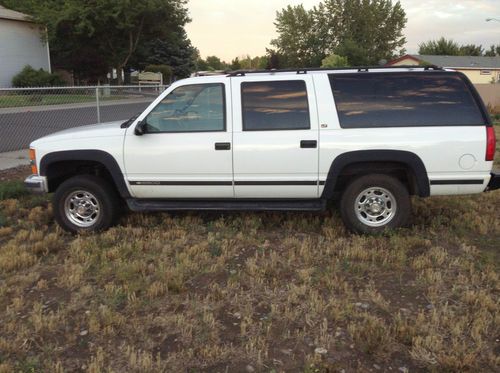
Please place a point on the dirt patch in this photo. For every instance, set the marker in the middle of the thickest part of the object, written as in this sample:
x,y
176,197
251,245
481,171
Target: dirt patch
x,y
250,292
16,173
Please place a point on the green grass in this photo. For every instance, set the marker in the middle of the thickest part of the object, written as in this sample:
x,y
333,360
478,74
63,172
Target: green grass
x,y
12,189
43,99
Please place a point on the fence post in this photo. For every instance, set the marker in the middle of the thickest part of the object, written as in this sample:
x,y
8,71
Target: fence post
x,y
97,105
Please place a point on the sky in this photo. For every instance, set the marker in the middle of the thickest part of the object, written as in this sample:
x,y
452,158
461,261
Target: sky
x,y
231,28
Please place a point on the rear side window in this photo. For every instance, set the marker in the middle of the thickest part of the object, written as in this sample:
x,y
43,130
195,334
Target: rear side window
x,y
275,105
367,100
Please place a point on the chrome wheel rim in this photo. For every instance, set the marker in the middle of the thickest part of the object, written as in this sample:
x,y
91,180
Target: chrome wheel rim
x,y
82,208
375,206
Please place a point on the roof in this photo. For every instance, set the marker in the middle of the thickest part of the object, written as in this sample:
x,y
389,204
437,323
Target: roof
x,y
471,62
313,70
13,15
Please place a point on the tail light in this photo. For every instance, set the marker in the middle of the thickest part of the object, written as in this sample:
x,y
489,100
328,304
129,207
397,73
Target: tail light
x,y
34,170
490,143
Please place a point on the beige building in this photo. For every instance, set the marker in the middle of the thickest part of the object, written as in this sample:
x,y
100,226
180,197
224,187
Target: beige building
x,y
480,70
21,43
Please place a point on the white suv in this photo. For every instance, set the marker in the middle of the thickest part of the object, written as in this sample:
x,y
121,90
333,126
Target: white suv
x,y
278,140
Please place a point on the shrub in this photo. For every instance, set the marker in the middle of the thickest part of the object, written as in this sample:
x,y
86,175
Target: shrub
x,y
29,77
334,60
165,70
494,112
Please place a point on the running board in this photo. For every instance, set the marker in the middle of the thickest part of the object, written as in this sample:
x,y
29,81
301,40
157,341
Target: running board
x,y
226,205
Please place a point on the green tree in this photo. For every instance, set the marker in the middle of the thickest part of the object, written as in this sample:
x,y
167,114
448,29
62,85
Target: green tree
x,y
235,64
493,51
175,50
253,63
471,50
107,31
334,60
297,38
215,63
202,65
364,31
440,47
448,47
274,59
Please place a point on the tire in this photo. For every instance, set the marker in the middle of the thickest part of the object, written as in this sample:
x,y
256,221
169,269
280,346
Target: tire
x,y
97,199
375,203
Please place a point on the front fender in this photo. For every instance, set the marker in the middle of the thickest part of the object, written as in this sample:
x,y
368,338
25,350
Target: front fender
x,y
100,156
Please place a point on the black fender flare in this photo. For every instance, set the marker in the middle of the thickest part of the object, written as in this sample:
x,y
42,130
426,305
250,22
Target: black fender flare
x,y
99,156
410,159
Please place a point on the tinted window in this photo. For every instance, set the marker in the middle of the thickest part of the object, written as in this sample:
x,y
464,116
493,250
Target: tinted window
x,y
404,99
191,108
278,105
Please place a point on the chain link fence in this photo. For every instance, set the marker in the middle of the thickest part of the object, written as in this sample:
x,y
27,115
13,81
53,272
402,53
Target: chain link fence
x,y
27,114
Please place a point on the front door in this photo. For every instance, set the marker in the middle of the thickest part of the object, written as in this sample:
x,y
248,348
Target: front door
x,y
275,137
186,151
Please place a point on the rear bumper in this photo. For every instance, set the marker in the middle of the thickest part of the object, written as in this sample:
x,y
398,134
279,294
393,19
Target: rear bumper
x,y
36,184
494,181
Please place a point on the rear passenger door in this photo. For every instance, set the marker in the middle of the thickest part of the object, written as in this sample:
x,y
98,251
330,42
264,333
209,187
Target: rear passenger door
x,y
275,137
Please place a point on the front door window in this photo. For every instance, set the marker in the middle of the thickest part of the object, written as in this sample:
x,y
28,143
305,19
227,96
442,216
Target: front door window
x,y
190,108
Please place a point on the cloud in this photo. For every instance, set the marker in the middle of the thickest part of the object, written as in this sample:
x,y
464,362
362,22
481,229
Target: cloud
x,y
230,28
464,22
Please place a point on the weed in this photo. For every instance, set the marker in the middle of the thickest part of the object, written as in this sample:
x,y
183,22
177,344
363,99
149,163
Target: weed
x,y
12,189
261,291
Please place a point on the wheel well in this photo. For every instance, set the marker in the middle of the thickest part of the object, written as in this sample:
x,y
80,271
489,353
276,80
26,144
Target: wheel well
x,y
399,170
60,171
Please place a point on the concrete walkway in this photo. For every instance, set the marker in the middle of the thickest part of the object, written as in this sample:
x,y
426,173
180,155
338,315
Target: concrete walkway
x,y
14,159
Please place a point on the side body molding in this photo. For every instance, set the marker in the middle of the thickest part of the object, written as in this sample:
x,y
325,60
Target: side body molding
x,y
410,159
100,156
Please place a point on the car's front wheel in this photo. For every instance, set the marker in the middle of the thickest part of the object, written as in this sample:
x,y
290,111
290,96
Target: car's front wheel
x,y
85,203
374,203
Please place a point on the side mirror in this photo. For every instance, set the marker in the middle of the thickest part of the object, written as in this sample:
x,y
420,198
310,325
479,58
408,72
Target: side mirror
x,y
140,129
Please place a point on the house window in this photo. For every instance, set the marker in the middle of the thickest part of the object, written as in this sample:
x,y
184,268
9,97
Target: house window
x,y
485,72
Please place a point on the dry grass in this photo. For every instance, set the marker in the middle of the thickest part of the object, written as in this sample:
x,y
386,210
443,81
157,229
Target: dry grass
x,y
236,292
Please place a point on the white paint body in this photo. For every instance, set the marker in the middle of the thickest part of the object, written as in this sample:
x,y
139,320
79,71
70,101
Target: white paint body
x,y
271,155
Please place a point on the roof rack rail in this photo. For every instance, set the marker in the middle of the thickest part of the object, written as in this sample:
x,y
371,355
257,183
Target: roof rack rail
x,y
312,69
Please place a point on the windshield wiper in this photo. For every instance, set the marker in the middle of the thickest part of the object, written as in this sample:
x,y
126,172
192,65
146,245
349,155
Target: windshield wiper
x,y
128,122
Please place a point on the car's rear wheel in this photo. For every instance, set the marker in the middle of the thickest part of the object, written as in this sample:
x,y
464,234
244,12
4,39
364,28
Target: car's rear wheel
x,y
374,203
85,203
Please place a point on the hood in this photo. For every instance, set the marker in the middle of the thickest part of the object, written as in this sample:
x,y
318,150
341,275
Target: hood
x,y
85,132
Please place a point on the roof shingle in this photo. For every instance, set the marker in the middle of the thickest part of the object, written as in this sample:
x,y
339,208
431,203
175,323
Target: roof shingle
x,y
461,61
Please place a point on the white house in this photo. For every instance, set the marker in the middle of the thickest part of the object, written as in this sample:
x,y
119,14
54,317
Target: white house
x,y
21,44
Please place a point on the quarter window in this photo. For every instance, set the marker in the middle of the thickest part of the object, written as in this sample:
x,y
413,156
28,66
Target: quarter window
x,y
275,105
404,99
190,108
